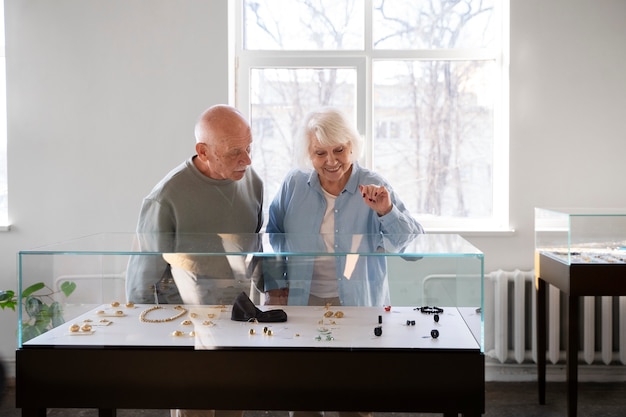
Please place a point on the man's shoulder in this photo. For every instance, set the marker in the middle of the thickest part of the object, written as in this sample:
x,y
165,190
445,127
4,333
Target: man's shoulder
x,y
172,179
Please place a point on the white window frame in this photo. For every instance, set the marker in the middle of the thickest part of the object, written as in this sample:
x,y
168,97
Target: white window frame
x,y
361,60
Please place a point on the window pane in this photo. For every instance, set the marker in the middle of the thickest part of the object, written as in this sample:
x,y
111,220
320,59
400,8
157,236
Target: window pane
x,y
279,100
432,24
303,25
433,135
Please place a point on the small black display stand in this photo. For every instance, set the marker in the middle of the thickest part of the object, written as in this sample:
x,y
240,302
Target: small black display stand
x,y
575,280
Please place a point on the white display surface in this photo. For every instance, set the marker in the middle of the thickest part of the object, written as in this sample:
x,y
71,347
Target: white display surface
x,y
211,327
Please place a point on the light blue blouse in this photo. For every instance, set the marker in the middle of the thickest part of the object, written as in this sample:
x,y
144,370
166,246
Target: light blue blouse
x,y
298,208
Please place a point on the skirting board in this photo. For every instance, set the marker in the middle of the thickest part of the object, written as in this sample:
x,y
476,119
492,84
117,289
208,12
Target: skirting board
x,y
527,372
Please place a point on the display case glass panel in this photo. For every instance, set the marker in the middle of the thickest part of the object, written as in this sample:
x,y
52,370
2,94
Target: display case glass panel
x,y
581,235
396,291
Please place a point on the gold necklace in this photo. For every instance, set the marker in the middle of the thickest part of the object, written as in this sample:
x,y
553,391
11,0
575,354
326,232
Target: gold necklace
x,y
143,319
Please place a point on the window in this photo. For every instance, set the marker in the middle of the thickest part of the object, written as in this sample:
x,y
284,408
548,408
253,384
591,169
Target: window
x,y
425,82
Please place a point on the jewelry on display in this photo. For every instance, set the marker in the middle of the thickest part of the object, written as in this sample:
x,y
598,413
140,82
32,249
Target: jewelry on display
x,y
252,332
144,319
193,315
186,323
434,333
78,329
378,330
179,333
436,318
130,305
329,313
117,313
115,304
380,319
267,331
429,310
208,323
324,334
410,322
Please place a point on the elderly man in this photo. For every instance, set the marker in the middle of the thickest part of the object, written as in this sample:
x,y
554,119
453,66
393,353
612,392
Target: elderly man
x,y
214,191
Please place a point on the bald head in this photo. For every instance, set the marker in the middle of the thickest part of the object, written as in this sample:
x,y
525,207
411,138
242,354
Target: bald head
x,y
223,141
219,121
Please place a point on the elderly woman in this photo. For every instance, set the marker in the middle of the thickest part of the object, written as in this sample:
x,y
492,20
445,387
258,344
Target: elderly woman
x,y
345,205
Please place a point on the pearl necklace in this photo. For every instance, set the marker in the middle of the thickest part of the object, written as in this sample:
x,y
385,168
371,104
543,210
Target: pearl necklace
x,y
143,319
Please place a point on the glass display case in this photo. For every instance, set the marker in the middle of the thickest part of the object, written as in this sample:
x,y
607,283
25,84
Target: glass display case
x,y
578,235
581,252
125,304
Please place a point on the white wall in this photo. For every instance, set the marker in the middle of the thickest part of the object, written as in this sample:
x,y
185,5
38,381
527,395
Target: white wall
x,y
102,100
567,116
102,97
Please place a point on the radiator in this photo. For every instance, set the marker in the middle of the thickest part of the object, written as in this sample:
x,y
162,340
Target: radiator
x,y
510,324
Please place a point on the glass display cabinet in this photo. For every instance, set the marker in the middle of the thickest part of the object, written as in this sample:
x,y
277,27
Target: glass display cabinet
x,y
582,252
120,321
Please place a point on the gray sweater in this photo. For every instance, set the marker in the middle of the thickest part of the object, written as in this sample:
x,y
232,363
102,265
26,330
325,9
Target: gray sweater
x,y
187,201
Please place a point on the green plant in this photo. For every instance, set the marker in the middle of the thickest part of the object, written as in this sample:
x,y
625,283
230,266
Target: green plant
x,y
42,311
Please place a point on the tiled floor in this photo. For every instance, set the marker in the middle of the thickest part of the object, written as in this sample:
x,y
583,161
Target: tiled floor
x,y
503,399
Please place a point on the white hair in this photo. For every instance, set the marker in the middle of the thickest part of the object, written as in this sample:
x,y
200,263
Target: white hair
x,y
328,127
